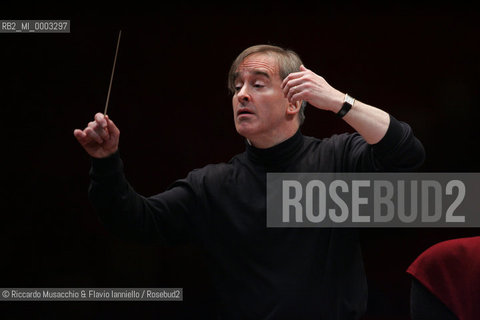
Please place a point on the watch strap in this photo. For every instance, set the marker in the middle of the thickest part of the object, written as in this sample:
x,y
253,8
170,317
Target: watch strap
x,y
347,105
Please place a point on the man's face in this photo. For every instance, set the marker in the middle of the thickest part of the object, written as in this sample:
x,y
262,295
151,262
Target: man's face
x,y
259,106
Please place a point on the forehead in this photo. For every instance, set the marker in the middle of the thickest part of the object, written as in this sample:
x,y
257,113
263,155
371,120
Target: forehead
x,y
259,62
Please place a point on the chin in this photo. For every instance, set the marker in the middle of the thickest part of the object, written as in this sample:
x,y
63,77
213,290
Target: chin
x,y
245,130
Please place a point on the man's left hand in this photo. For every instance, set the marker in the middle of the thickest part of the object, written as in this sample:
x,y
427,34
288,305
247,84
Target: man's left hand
x,y
308,86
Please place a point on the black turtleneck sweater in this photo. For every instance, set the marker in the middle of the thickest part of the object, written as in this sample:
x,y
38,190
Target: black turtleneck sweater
x,y
259,272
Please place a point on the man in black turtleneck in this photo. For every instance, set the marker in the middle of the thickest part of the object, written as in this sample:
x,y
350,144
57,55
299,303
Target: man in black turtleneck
x,y
260,272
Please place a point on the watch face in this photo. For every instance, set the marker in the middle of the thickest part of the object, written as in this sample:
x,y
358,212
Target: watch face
x,y
349,99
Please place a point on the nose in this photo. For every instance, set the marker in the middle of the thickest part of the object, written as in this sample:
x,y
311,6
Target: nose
x,y
243,95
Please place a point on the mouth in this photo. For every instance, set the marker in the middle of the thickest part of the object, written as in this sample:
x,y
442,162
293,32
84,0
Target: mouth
x,y
244,112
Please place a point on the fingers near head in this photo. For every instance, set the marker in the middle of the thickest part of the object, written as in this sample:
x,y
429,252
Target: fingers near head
x,y
292,77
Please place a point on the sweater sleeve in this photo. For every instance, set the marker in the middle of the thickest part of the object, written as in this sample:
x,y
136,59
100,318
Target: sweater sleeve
x,y
398,151
160,219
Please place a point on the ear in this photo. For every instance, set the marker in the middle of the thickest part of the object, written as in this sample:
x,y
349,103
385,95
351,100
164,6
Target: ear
x,y
294,108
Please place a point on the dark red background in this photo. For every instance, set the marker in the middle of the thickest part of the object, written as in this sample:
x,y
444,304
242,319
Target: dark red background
x,y
170,100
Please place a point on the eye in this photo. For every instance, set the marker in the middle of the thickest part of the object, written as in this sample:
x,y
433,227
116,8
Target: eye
x,y
238,87
258,85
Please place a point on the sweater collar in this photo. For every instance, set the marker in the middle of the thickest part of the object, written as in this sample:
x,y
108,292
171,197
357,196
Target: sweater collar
x,y
277,155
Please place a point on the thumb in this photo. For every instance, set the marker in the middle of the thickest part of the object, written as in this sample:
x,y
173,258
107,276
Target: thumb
x,y
112,128
302,68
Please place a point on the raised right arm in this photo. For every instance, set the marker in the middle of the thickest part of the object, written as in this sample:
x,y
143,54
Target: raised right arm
x,y
163,218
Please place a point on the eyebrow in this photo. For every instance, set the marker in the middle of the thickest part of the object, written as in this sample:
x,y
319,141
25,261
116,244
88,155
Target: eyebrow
x,y
254,72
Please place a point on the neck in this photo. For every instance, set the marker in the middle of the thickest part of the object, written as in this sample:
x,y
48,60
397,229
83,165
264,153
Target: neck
x,y
271,139
279,157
